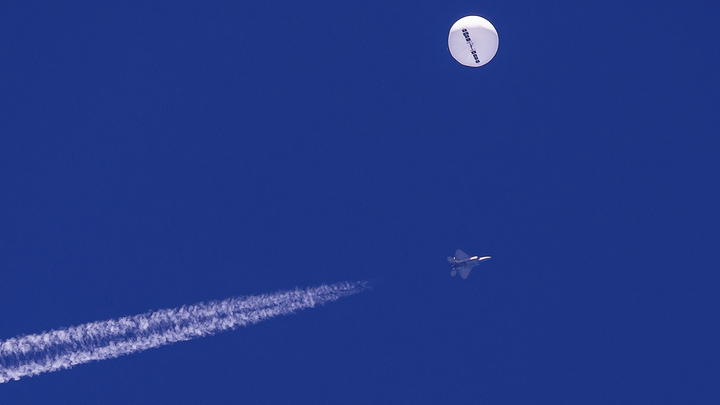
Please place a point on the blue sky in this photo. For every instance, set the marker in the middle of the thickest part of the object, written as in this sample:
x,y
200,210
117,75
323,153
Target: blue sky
x,y
155,155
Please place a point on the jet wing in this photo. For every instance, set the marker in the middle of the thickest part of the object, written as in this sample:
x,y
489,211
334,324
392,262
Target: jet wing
x,y
460,255
465,270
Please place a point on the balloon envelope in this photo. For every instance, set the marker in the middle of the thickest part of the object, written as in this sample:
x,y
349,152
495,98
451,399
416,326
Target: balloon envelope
x,y
473,41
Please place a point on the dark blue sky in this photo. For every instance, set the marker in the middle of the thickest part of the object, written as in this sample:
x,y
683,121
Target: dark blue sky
x,y
154,155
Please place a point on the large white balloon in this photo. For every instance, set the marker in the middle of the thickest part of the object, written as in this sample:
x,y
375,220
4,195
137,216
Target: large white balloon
x,y
473,41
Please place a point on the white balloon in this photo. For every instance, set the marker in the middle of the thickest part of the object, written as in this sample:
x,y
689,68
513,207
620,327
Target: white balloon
x,y
473,41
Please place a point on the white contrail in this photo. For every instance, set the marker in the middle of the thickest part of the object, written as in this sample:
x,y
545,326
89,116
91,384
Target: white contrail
x,y
64,348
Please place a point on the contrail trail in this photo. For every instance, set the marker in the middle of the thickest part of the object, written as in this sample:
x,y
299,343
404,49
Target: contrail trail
x,y
64,348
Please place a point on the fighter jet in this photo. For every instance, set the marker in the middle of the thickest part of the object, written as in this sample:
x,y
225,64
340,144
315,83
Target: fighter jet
x,y
462,263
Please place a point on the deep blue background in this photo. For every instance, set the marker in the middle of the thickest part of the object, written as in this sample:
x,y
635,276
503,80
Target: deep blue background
x,y
154,155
